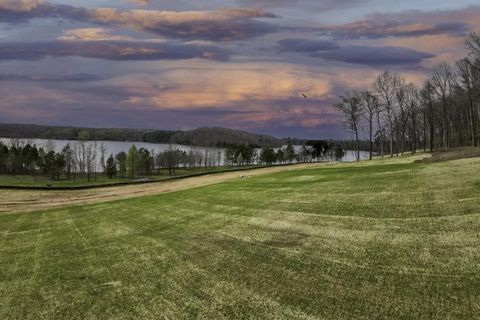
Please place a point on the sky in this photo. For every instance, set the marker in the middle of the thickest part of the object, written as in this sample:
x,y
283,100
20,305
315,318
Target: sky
x,y
241,64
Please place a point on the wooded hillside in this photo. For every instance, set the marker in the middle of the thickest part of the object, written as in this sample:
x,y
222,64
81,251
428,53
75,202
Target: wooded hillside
x,y
198,137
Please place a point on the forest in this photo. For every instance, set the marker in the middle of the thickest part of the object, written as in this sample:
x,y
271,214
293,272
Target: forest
x,y
399,116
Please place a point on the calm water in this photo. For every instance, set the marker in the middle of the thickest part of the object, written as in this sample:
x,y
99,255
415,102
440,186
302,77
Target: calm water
x,y
119,146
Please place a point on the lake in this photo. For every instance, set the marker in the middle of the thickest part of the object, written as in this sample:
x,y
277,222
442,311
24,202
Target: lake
x,y
119,146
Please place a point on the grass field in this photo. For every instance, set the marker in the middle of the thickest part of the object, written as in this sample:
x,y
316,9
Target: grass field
x,y
391,239
43,181
101,179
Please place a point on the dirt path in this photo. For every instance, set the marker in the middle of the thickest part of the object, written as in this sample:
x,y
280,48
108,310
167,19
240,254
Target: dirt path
x,y
26,200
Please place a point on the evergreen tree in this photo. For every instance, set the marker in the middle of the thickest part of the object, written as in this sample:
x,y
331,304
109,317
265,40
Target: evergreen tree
x,y
111,167
122,164
290,153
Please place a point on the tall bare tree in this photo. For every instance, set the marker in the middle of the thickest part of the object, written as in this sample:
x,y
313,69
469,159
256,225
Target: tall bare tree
x,y
351,106
402,114
443,85
467,77
370,106
412,110
386,86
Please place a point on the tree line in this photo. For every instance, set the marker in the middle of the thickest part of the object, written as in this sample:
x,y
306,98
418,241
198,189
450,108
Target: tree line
x,y
85,158
398,116
312,150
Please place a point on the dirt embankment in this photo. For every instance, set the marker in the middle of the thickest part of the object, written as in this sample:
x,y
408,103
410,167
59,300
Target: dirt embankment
x,y
30,200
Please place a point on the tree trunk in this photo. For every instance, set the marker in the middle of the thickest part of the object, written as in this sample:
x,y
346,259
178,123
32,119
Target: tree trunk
x,y
391,144
371,138
357,140
472,118
380,130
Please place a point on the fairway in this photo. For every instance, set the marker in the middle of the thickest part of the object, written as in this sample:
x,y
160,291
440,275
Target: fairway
x,y
388,239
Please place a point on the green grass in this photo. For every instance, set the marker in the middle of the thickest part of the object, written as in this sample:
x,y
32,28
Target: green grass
x,y
388,240
101,179
42,181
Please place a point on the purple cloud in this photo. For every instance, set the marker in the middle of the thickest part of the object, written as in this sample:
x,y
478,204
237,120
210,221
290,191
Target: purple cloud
x,y
369,29
110,50
374,56
216,25
78,77
305,45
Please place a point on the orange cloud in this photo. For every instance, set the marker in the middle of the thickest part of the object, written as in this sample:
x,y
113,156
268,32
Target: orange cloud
x,y
92,34
222,87
19,5
428,43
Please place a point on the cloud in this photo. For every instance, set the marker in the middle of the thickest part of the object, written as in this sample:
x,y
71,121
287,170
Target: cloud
x,y
142,2
215,25
370,29
218,25
19,5
324,5
232,96
221,88
78,77
374,56
305,45
18,11
413,23
92,34
358,54
110,50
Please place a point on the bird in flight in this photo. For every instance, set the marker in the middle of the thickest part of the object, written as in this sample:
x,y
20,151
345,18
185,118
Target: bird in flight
x,y
304,95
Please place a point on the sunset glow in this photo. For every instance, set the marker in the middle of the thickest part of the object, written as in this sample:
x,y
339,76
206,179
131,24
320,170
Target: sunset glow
x,y
240,64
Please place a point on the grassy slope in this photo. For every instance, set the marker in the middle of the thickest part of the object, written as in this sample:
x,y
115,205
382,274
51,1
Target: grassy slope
x,y
384,241
42,181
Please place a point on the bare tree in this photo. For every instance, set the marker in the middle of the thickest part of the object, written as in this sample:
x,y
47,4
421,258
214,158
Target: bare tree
x,y
428,102
103,157
412,108
443,84
444,113
379,115
91,160
370,107
467,78
386,86
351,106
402,114
473,44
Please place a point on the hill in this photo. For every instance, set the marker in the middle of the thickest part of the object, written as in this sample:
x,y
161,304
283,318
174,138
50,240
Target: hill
x,y
222,137
197,137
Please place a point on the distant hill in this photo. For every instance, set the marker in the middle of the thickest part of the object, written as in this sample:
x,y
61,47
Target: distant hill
x,y
223,137
198,137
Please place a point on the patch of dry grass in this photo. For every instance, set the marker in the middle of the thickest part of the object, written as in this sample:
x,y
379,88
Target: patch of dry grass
x,y
453,154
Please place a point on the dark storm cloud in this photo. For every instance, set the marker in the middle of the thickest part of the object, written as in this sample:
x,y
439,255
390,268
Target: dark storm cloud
x,y
374,56
215,25
109,50
305,45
